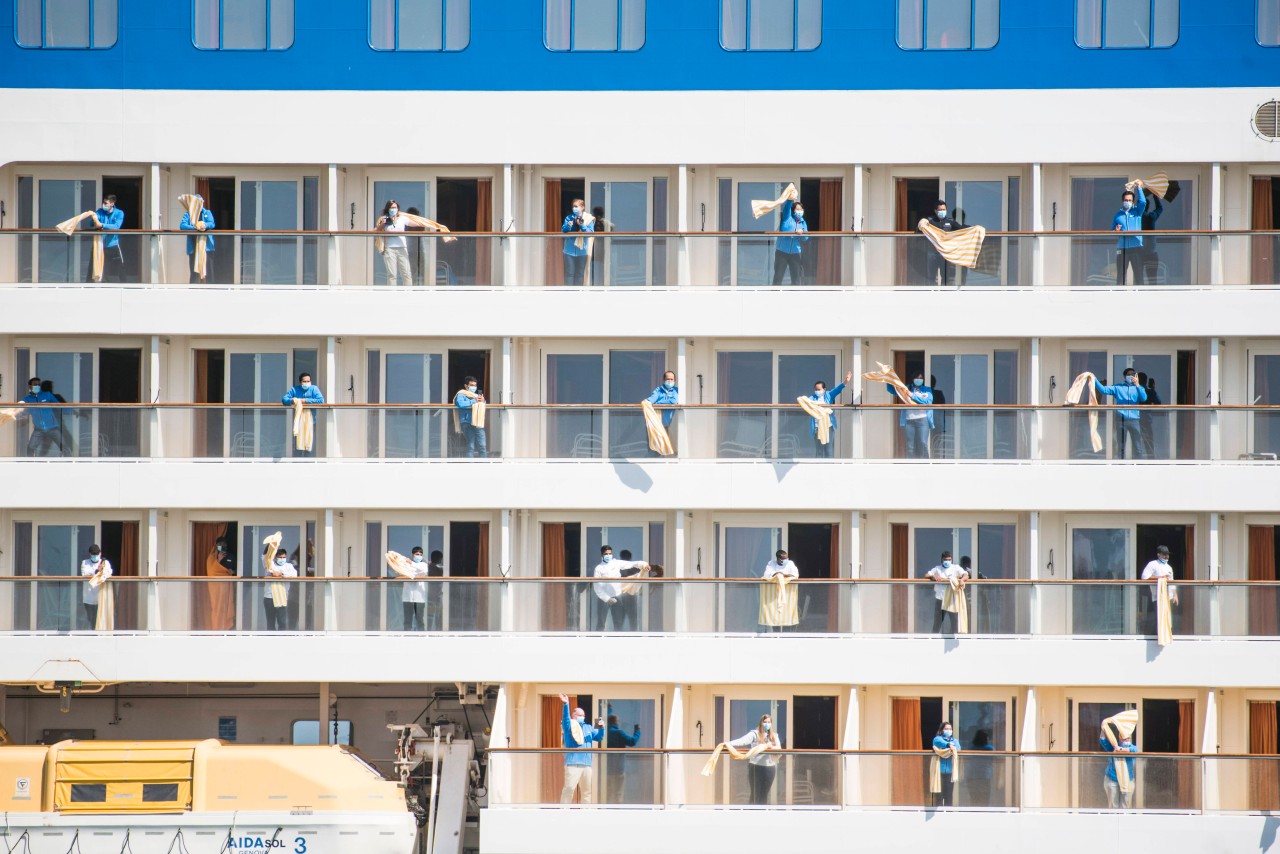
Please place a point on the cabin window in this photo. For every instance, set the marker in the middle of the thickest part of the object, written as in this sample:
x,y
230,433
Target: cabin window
x,y
948,24
84,24
88,793
442,25
594,25
242,24
1126,23
1267,30
159,792
770,24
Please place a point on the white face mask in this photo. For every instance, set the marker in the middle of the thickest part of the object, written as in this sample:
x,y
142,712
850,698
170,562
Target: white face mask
x,y
942,214
417,558
35,389
306,384
768,725
280,561
471,389
946,733
1126,205
579,718
799,213
606,558
94,558
917,382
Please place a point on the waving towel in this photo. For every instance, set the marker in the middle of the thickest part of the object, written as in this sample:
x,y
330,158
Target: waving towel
x,y
962,247
10,413
935,766
380,242
659,439
820,414
194,206
68,228
761,207
303,426
401,565
477,412
954,600
279,593
887,375
778,602
106,621
756,750
1164,612
629,587
1157,183
1117,728
1082,383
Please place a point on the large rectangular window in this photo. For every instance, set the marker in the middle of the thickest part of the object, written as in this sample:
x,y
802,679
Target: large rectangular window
x,y
617,25
92,24
770,24
1267,31
419,24
948,24
242,24
1126,23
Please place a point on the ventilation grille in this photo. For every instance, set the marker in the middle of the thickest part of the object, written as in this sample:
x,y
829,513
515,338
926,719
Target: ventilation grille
x,y
1266,121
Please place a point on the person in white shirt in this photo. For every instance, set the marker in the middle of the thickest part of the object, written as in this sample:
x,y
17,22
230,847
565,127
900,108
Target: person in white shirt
x,y
93,566
1154,570
278,615
610,592
780,565
395,251
943,573
763,767
413,595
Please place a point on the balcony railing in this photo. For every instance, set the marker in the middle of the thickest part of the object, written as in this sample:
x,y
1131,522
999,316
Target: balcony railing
x,y
649,606
320,259
433,431
989,780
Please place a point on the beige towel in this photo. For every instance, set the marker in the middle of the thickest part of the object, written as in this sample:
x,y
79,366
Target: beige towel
x,y
1082,383
401,565
10,413
888,375
778,605
1157,183
954,600
659,439
961,248
279,592
935,767
194,206
68,228
303,426
380,243
724,746
1164,613
1116,728
106,621
575,729
477,412
820,414
761,207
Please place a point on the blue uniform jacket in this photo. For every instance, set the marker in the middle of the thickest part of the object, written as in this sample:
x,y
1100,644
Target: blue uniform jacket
x,y
1124,393
464,403
309,395
826,398
571,243
1111,766
663,396
942,742
797,227
185,225
1130,220
590,738
110,222
923,394
42,419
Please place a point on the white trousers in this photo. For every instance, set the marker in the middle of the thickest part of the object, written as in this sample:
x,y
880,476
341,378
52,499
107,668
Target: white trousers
x,y
576,776
396,259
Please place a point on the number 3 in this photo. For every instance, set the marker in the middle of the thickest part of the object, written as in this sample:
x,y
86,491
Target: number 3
x,y
300,845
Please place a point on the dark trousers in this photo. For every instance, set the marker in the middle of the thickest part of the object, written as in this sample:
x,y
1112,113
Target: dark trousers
x,y
435,609
785,262
604,610
1130,428
944,616
760,778
277,618
90,615
112,266
946,796
1135,257
575,266
413,616
938,270
45,443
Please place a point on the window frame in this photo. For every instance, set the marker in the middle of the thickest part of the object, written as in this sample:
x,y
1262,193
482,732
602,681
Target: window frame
x,y
795,31
44,34
644,40
1102,30
1257,23
924,29
222,28
444,32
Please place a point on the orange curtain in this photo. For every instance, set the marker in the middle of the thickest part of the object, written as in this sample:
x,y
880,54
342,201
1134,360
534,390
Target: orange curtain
x,y
484,246
483,617
127,565
898,569
1189,573
551,219
1264,785
908,771
900,223
553,736
831,217
1264,245
1262,567
899,440
202,396
213,606
833,571
1188,770
554,597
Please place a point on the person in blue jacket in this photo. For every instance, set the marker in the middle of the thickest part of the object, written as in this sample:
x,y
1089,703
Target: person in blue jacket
x,y
1133,204
616,764
578,759
579,225
205,224
46,439
310,395
1128,421
667,394
112,218
917,422
477,442
1117,799
787,251
825,397
944,739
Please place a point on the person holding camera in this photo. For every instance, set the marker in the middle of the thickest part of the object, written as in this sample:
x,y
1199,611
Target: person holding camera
x,y
395,250
581,225
1128,421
